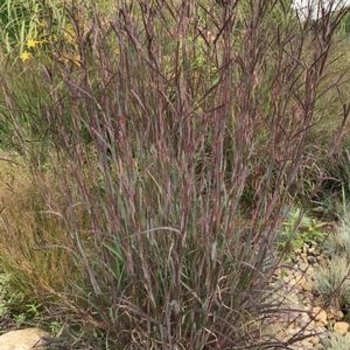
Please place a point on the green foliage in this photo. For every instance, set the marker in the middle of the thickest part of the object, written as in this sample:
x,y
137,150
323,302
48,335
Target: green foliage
x,y
344,28
334,190
337,342
13,304
333,283
19,128
300,229
22,20
338,243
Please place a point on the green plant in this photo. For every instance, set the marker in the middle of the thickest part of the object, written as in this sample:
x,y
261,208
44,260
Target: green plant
x,y
14,306
56,328
24,23
333,282
300,229
337,342
333,189
4,280
338,243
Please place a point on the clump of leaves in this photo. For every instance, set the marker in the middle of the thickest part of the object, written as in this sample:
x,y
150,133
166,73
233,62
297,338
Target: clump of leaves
x,y
333,283
300,230
14,307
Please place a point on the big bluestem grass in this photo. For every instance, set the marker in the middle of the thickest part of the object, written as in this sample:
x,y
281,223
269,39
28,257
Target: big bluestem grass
x,y
171,148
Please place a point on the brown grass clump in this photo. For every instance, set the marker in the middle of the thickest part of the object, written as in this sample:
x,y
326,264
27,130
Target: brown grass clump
x,y
159,157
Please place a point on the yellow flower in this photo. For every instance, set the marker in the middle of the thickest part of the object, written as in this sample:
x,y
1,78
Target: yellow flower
x,y
32,43
25,56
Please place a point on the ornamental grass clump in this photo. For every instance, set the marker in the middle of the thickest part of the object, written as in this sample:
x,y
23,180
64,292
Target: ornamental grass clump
x,y
338,243
332,282
337,342
162,162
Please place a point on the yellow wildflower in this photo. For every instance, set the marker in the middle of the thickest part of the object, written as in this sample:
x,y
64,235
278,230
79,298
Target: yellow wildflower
x,y
25,56
31,43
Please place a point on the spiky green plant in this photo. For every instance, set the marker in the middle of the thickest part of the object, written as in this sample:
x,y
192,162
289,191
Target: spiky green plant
x,y
300,229
338,243
333,282
337,342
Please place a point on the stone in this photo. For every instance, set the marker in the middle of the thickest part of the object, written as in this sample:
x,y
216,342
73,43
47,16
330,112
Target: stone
x,y
292,330
303,266
314,340
298,251
311,260
312,251
23,339
320,316
311,271
303,319
305,344
300,280
335,314
341,328
288,278
306,285
339,315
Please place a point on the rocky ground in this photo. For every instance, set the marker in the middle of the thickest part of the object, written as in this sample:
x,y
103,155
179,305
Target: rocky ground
x,y
306,310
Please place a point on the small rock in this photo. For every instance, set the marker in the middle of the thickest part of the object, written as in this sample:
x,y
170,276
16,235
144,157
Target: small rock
x,y
303,266
305,248
312,260
293,330
314,340
321,323
303,319
24,339
300,281
341,328
298,251
307,286
303,257
305,344
312,250
288,278
311,270
335,314
320,316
